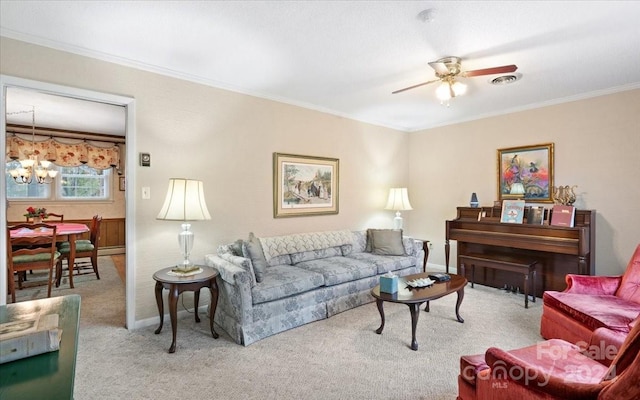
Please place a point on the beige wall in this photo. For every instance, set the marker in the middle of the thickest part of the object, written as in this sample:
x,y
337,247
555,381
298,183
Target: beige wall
x,y
597,147
227,140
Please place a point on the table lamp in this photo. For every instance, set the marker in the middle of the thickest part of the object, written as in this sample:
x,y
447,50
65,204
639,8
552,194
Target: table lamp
x,y
399,201
185,202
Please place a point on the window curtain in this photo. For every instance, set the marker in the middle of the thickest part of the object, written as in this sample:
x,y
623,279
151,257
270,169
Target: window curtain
x,y
97,155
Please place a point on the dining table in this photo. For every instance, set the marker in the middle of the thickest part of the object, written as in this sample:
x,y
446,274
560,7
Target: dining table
x,y
65,231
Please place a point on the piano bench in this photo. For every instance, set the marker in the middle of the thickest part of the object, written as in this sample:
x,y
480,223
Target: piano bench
x,y
527,267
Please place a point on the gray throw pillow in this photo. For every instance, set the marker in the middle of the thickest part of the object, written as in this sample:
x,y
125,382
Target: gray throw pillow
x,y
257,257
236,248
387,242
367,247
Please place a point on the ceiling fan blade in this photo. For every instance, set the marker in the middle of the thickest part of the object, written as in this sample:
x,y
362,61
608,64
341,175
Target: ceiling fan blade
x,y
440,67
490,71
415,86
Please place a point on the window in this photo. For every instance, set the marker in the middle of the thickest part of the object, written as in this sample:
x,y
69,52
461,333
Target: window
x,y
23,191
72,183
83,183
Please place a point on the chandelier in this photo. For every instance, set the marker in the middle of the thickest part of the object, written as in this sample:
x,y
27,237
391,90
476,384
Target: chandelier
x,y
30,167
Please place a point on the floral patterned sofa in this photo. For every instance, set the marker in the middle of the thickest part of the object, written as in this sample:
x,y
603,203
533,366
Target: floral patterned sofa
x,y
271,284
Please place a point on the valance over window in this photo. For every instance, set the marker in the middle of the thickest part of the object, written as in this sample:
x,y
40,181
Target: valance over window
x,y
97,155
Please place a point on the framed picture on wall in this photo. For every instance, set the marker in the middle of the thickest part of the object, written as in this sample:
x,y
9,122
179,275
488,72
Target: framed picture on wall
x,y
526,172
304,185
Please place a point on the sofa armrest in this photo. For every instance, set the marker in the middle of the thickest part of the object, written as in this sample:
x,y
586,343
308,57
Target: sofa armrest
x,y
595,285
412,246
235,290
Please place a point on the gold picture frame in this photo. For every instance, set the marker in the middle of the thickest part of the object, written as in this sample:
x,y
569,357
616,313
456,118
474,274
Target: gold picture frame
x,y
531,166
304,185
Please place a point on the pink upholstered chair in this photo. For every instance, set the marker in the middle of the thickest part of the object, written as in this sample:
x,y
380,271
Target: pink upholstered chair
x,y
592,302
553,369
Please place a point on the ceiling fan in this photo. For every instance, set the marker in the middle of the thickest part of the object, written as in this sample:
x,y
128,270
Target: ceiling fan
x,y
447,69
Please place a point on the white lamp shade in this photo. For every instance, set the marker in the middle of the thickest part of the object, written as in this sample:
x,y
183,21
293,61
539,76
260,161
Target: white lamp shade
x,y
184,201
398,200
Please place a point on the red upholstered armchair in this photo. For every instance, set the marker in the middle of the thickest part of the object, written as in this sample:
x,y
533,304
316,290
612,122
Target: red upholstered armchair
x,y
593,302
553,369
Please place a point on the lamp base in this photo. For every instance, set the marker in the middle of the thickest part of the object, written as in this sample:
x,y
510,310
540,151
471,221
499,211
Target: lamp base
x,y
397,221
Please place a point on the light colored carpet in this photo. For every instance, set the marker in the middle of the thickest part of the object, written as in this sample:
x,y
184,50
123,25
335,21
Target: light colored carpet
x,y
338,358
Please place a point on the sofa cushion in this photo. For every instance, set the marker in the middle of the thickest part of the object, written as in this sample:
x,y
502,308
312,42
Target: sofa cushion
x,y
288,244
339,269
386,242
284,259
282,281
594,311
316,254
359,242
385,264
257,257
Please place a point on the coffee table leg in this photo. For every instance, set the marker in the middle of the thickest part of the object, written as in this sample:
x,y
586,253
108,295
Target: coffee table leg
x,y
381,310
160,305
415,313
173,314
458,302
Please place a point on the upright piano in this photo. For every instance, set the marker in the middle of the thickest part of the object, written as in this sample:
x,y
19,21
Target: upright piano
x,y
558,250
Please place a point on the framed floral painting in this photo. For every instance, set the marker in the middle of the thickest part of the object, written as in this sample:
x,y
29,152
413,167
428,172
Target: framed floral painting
x,y
304,185
526,172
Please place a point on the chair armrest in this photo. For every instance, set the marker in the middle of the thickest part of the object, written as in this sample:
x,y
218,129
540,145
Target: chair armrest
x,y
604,344
556,378
596,285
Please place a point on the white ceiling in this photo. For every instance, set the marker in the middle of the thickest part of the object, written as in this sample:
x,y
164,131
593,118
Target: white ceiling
x,y
346,57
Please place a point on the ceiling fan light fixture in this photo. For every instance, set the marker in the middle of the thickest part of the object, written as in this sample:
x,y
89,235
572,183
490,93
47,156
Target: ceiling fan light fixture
x,y
459,88
449,89
443,92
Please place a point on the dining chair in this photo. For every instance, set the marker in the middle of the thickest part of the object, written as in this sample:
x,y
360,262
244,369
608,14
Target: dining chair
x,y
84,249
60,217
33,252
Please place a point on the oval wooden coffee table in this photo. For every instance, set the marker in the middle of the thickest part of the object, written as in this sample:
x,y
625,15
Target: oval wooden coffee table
x,y
416,297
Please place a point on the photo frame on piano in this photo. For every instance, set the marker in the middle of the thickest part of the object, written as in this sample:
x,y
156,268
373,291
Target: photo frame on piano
x,y
526,172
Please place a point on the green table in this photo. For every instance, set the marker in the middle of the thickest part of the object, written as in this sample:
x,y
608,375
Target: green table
x,y
50,375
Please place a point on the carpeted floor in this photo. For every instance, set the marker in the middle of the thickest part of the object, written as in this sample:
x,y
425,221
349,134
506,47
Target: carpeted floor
x,y
338,358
